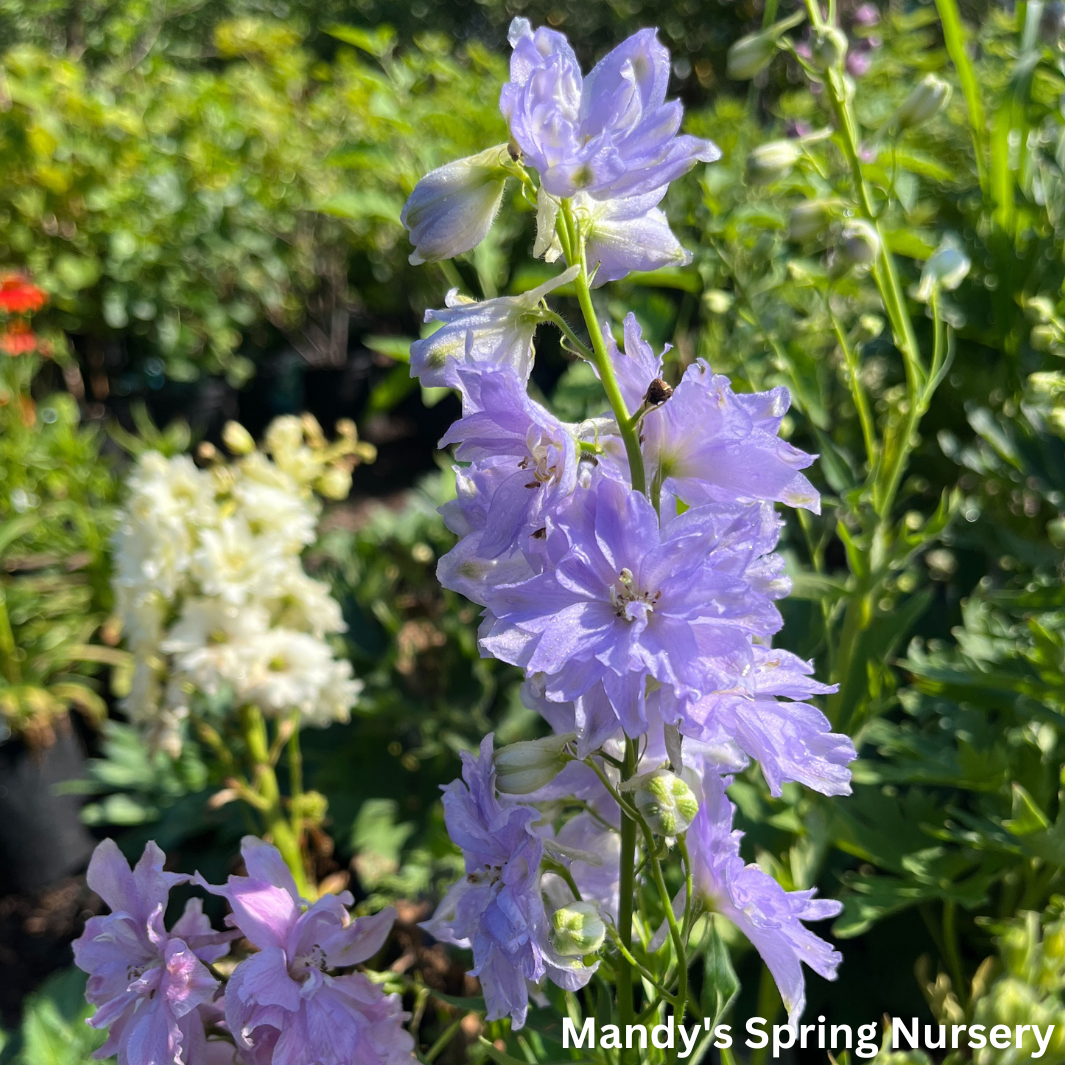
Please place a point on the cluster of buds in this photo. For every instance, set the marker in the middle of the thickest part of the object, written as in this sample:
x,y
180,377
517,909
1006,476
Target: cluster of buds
x,y
300,449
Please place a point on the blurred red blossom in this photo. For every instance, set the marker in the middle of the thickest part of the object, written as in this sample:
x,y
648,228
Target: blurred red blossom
x,y
19,295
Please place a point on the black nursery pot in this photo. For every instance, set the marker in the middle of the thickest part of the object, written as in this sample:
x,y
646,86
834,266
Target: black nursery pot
x,y
42,838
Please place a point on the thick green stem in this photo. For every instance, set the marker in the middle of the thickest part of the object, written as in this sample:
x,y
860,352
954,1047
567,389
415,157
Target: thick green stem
x,y
626,894
264,779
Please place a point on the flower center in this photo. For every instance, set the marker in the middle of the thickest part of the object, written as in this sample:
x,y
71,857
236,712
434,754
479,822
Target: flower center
x,y
301,966
542,461
491,875
630,602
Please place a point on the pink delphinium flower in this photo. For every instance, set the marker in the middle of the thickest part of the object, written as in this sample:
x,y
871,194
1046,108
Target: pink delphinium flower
x,y
151,987
284,1006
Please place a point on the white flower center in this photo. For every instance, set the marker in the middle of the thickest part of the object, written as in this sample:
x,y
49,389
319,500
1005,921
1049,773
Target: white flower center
x,y
302,964
630,602
491,875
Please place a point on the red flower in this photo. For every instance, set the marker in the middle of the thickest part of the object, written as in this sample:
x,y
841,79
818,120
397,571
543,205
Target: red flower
x,y
18,339
19,296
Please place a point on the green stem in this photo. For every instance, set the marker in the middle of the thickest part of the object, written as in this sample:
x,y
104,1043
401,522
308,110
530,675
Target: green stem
x,y
950,941
295,779
275,822
674,928
564,329
445,1038
601,358
12,671
645,973
861,401
626,891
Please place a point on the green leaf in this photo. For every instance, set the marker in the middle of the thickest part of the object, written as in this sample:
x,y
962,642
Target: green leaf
x,y
397,348
720,983
377,42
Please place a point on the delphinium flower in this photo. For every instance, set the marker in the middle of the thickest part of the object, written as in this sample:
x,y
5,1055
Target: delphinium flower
x,y
151,988
770,917
627,600
211,586
790,740
497,910
611,134
496,332
709,443
286,1004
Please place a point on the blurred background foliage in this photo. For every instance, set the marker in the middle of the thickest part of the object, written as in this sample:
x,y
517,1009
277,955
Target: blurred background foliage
x,y
210,193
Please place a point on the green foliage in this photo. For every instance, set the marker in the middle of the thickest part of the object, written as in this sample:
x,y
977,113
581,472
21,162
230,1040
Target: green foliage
x,y
55,498
198,212
53,1030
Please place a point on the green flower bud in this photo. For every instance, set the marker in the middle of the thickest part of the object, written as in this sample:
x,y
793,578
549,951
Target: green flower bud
x,y
527,766
928,96
828,48
750,55
1044,337
808,219
667,803
335,483
577,929
859,245
237,439
772,161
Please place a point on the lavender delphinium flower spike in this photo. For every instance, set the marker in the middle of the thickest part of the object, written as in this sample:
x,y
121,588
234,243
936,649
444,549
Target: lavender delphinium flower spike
x,y
611,134
150,987
283,1005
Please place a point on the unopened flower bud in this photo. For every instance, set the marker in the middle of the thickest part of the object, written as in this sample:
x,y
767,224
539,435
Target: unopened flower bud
x,y
928,96
346,429
1044,337
945,268
284,434
365,451
859,244
577,929
527,766
452,208
750,55
667,803
828,48
237,439
807,219
772,161
870,326
334,483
